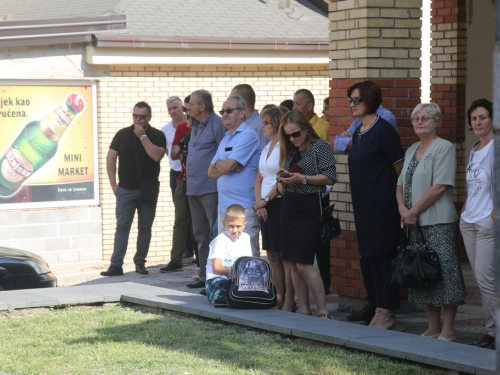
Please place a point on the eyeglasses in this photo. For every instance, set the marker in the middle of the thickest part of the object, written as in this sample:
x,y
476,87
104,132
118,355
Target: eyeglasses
x,y
293,135
424,119
355,100
139,117
267,123
229,111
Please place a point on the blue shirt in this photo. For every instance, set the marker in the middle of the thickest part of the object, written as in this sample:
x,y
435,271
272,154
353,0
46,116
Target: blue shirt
x,y
254,122
236,187
340,143
202,148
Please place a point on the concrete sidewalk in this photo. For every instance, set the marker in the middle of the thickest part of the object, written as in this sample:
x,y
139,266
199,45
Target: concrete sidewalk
x,y
140,290
469,322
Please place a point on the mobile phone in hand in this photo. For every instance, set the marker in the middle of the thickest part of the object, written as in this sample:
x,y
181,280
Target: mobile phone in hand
x,y
285,174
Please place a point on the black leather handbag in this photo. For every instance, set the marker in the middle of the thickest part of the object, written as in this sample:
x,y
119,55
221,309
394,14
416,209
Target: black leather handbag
x,y
416,265
329,225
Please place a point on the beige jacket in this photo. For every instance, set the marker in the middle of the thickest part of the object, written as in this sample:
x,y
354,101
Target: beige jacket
x,y
436,167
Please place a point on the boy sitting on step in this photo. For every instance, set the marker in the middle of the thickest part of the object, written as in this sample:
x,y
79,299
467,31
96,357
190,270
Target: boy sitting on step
x,y
224,250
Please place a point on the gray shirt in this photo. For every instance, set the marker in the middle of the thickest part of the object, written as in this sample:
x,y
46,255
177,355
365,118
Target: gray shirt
x,y
202,148
254,122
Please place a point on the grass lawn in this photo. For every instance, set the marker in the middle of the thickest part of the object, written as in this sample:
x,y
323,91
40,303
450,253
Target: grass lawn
x,y
127,339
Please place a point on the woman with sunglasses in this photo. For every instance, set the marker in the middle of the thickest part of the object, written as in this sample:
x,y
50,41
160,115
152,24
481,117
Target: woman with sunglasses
x,y
307,165
424,198
375,161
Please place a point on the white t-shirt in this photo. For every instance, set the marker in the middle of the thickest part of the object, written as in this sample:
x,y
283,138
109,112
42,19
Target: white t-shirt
x,y
268,167
169,132
224,248
479,177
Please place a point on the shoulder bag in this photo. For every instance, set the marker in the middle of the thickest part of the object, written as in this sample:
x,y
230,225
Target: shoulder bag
x,y
329,227
415,265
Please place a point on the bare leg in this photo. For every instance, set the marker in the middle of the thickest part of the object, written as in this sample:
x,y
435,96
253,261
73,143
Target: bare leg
x,y
434,320
386,319
313,280
449,313
375,318
301,290
289,303
278,276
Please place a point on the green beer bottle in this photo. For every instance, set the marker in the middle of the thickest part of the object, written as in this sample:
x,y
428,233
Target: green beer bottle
x,y
36,145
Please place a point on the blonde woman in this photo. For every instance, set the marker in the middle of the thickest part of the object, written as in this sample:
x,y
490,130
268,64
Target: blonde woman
x,y
268,206
307,165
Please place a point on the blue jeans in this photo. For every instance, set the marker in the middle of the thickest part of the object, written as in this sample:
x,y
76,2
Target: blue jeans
x,y
127,203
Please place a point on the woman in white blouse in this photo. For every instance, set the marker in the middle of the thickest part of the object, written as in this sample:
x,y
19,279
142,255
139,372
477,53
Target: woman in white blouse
x,y
268,206
476,218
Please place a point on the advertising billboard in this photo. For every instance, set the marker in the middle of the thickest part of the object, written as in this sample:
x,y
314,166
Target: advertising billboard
x,y
48,144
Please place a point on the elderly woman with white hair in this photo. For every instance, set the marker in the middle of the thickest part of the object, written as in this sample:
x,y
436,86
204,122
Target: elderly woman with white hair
x,y
424,197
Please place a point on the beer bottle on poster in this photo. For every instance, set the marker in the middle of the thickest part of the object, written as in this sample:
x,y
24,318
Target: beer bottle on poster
x,y
36,145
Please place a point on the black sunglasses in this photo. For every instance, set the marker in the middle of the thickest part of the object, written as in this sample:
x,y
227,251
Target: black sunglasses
x,y
293,135
139,117
229,111
355,100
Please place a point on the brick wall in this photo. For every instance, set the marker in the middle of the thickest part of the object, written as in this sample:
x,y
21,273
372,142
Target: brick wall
x,y
380,40
377,40
448,78
62,236
154,84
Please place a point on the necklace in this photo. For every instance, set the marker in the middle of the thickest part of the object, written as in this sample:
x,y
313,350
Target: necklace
x,y
360,134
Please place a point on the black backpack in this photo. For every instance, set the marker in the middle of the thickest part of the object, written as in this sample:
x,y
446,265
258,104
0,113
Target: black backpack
x,y
251,284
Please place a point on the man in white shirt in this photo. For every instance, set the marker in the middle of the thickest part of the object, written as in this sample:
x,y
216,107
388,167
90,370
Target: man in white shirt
x,y
176,112
174,105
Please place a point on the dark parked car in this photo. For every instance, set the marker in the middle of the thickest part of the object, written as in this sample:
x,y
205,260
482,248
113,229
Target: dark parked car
x,y
24,270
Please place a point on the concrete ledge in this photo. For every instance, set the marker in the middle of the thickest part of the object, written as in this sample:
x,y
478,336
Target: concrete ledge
x,y
453,356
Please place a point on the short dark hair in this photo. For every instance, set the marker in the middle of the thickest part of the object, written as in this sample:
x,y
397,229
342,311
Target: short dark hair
x,y
287,103
480,103
143,105
187,99
246,92
306,94
327,100
204,97
370,92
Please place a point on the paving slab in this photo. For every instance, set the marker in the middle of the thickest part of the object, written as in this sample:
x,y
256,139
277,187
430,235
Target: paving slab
x,y
23,299
389,343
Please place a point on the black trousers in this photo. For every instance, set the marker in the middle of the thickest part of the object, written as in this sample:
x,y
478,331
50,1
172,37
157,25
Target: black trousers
x,y
386,294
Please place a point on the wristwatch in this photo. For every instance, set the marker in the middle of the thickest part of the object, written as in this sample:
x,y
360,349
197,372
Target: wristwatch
x,y
266,198
304,181
143,137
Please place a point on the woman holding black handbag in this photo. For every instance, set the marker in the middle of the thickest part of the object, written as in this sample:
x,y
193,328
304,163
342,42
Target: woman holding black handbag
x,y
424,196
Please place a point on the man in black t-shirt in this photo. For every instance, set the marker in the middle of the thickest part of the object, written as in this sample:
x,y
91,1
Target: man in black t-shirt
x,y
139,148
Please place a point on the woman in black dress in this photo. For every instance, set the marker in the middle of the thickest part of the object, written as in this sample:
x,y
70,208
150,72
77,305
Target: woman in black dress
x,y
307,165
375,161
